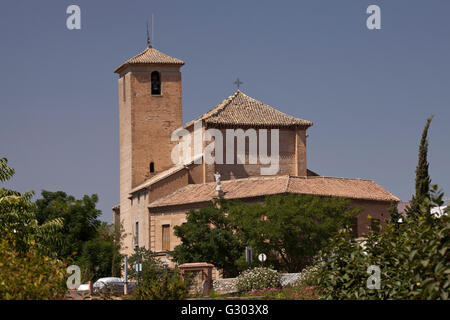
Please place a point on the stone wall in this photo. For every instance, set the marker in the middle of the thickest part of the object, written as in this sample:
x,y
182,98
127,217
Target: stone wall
x,y
224,286
228,285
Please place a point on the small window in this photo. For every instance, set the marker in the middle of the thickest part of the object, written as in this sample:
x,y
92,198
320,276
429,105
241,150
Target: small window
x,y
136,234
156,83
166,237
152,167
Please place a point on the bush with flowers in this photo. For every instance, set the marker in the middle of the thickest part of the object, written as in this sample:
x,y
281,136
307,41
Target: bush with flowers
x,y
258,279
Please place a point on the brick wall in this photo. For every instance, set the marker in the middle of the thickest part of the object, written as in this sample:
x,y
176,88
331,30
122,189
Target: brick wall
x,y
292,159
146,123
375,209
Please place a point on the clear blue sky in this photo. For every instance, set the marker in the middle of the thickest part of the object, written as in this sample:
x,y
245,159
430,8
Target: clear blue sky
x,y
367,92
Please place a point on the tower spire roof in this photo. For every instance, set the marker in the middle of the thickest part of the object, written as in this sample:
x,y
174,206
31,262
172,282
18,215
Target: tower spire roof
x,y
150,56
241,110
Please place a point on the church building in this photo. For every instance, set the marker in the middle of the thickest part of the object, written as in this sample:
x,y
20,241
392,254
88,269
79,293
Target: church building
x,y
156,193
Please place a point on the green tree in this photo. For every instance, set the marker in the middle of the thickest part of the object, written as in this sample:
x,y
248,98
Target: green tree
x,y
209,235
30,275
80,219
152,266
27,267
413,258
18,222
291,229
423,180
156,280
100,257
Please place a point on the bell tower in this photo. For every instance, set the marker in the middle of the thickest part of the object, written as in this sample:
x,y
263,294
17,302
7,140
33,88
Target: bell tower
x,y
150,109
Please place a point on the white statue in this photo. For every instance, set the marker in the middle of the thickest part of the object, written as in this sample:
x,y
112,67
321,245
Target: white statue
x,y
218,182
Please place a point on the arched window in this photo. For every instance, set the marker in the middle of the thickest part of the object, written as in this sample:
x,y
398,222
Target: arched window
x,y
156,83
152,167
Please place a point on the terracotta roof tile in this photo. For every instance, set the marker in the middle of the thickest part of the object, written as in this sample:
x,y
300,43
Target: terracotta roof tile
x,y
164,174
340,187
151,55
240,109
261,186
158,177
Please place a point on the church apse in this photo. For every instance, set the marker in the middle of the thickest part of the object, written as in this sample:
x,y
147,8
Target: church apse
x,y
292,161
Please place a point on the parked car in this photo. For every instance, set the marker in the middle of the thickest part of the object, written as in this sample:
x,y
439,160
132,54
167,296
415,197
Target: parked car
x,y
83,287
112,283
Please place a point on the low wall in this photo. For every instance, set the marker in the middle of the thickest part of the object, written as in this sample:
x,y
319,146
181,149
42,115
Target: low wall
x,y
228,285
224,286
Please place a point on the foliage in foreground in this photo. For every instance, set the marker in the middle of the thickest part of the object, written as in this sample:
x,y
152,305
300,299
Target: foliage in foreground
x,y
413,257
28,269
30,275
18,222
169,286
156,281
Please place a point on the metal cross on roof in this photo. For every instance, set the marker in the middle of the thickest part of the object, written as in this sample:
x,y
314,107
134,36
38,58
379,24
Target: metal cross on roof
x,y
238,83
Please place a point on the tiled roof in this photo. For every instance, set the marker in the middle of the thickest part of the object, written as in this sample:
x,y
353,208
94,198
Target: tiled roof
x,y
151,55
164,174
158,177
240,109
261,186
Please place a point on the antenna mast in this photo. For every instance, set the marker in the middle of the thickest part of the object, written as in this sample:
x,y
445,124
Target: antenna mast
x,y
148,37
153,37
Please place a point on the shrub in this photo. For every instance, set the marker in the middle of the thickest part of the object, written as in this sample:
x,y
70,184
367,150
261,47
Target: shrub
x,y
152,267
413,258
30,275
157,280
305,288
169,286
309,275
257,279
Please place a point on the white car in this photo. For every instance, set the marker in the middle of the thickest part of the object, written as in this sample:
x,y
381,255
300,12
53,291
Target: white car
x,y
111,283
83,287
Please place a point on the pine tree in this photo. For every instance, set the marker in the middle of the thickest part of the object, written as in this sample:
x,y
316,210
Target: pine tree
x,y
423,179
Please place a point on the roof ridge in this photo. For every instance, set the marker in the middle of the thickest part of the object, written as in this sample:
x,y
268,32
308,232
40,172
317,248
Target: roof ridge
x,y
241,109
222,105
268,106
249,178
214,110
150,56
139,54
330,177
288,183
